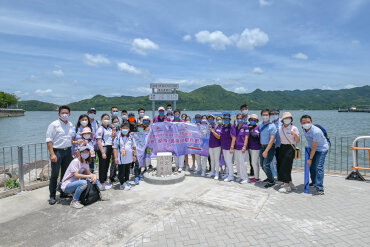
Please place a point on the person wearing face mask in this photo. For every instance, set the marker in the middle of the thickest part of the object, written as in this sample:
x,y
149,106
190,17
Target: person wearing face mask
x,y
183,116
188,168
88,137
319,149
244,112
267,151
114,112
132,121
94,127
124,154
161,116
59,142
104,138
239,134
275,120
113,167
74,179
254,146
179,160
169,112
227,149
124,116
289,136
215,145
201,160
83,121
147,161
141,113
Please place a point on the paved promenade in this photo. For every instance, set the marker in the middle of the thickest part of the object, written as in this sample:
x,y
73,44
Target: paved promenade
x,y
196,212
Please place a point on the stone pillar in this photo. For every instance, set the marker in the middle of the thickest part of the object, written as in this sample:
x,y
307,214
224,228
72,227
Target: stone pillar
x,y
164,164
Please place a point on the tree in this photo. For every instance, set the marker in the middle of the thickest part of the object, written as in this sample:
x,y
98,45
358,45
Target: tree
x,y
7,99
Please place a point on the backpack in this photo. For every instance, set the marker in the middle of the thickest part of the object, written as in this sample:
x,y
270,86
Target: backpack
x,y
324,132
91,194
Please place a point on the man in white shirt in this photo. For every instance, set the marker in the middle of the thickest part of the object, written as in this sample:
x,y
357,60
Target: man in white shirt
x,y
59,141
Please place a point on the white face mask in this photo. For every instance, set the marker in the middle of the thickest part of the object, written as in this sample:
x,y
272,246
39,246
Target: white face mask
x,y
275,117
188,121
141,114
287,121
245,112
86,136
84,123
307,126
124,117
106,122
265,118
92,115
85,155
64,117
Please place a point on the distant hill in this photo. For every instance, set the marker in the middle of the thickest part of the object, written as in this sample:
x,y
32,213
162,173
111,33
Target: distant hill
x,y
214,97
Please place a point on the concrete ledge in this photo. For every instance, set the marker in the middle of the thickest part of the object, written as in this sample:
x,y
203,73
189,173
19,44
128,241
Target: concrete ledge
x,y
173,179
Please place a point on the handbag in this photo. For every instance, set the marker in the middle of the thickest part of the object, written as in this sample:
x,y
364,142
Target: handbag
x,y
91,194
297,150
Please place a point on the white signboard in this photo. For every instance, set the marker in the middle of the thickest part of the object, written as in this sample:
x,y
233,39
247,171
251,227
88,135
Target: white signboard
x,y
165,90
164,85
163,97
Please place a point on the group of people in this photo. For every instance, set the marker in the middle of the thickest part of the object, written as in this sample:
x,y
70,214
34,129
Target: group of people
x,y
245,140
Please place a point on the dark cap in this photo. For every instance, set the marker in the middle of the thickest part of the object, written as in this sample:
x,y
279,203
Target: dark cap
x,y
198,116
274,111
226,115
131,114
92,109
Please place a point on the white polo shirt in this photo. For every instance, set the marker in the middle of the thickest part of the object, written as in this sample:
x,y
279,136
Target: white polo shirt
x,y
124,143
105,134
60,134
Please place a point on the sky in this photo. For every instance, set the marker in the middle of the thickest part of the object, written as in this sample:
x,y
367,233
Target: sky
x,y
66,51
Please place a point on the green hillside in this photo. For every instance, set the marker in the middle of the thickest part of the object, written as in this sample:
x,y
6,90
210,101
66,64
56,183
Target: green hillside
x,y
213,97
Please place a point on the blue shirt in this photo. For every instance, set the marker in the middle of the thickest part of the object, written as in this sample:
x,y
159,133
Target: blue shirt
x,y
267,132
277,137
315,134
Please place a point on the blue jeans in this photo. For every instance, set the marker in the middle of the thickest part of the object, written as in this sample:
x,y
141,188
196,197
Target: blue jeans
x,y
317,169
266,162
77,187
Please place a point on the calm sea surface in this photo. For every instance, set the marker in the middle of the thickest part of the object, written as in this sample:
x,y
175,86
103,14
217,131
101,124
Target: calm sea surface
x,y
31,128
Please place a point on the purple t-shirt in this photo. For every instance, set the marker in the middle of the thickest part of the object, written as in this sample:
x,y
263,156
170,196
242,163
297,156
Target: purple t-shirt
x,y
157,119
254,138
226,137
213,141
240,134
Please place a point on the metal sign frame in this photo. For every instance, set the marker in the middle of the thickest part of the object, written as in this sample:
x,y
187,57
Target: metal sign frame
x,y
163,89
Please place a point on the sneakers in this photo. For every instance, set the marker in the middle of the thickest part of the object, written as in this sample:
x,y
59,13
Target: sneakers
x,y
128,184
52,201
318,193
198,172
137,180
245,181
191,168
203,173
212,174
266,180
225,176
122,186
216,176
293,187
180,169
228,179
312,185
101,187
125,187
107,185
141,178
238,180
175,169
285,189
253,180
268,184
76,204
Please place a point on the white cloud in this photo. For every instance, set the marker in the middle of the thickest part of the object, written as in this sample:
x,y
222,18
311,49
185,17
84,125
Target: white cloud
x,y
257,70
264,3
42,92
240,90
186,37
58,72
348,86
128,68
326,87
300,56
217,40
96,60
142,46
248,39
252,38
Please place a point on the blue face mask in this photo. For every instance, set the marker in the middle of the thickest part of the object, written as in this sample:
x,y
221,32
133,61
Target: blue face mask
x,y
252,122
146,122
245,120
169,111
124,131
211,121
116,125
240,121
197,120
177,116
161,113
115,114
140,129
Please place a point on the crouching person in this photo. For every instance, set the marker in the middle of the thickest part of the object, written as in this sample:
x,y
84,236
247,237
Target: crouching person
x,y
124,151
74,180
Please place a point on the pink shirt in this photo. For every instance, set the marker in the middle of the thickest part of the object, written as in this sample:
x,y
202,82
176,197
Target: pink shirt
x,y
288,132
74,166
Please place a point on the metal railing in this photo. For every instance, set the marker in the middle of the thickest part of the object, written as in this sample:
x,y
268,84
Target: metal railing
x,y
23,167
339,159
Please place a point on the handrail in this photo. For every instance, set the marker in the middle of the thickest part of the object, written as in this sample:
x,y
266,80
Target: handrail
x,y
354,151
